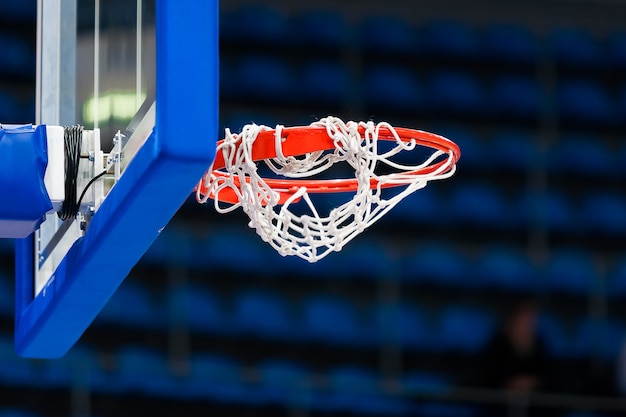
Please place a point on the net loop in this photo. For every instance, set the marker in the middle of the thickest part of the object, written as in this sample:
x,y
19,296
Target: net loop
x,y
281,209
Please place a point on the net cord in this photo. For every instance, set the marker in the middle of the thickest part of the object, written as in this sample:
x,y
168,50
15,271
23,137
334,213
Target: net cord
x,y
313,236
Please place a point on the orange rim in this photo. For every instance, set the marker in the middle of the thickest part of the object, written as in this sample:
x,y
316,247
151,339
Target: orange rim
x,y
302,140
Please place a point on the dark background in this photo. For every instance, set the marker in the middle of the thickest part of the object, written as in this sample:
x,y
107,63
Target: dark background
x,y
212,321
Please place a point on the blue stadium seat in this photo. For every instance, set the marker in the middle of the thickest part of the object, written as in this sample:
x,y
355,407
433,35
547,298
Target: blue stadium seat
x,y
585,414
517,96
616,279
439,264
393,88
361,259
353,379
262,77
332,320
218,378
132,305
10,107
85,367
457,92
474,152
236,251
356,390
429,383
6,247
465,329
585,100
199,309
17,412
600,338
510,43
19,10
321,29
582,155
551,210
7,295
512,150
616,49
171,247
575,47
56,374
422,207
451,39
264,314
552,333
479,204
237,120
144,370
583,338
605,213
570,271
14,370
325,82
440,409
388,35
283,382
256,25
404,326
18,56
505,268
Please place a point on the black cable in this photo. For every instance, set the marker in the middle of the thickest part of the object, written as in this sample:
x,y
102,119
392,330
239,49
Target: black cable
x,y
72,136
91,181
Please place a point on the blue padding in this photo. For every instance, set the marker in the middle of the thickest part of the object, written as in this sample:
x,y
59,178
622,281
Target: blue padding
x,y
24,200
155,184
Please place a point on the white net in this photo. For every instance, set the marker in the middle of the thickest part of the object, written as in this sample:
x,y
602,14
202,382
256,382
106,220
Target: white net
x,y
313,235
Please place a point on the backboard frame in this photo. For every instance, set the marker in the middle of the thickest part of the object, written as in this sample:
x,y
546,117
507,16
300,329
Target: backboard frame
x,y
154,185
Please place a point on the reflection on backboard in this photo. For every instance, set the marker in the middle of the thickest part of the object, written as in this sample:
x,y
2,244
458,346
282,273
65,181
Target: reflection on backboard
x,y
102,64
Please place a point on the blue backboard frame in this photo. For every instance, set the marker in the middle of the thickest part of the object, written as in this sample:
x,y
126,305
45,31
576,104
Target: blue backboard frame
x,y
154,186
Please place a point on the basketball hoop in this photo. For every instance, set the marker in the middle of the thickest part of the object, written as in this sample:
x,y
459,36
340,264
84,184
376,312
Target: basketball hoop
x,y
295,155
